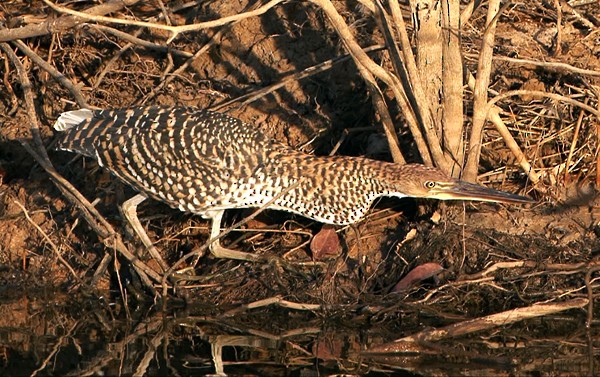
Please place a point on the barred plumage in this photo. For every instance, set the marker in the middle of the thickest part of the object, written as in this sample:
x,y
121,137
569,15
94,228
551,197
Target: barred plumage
x,y
206,162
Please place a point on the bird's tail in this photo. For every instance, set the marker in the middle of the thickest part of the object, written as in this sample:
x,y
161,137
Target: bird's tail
x,y
79,128
73,118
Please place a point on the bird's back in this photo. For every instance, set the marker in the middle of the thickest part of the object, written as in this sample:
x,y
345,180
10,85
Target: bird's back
x,y
178,128
192,159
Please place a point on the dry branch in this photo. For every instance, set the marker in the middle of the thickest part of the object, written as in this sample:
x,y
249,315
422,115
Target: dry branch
x,y
537,93
140,42
369,70
50,242
103,229
511,143
550,66
428,40
61,24
59,77
484,68
203,50
480,324
452,121
247,98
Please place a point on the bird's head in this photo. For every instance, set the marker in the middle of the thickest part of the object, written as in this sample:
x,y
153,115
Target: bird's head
x,y
421,181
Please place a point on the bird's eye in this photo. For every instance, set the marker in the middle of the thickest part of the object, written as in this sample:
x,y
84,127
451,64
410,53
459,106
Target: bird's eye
x,y
429,184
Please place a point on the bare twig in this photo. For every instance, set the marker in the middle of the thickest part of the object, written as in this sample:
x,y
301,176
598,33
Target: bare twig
x,y
292,77
115,58
511,143
213,40
134,40
225,232
174,30
549,268
551,66
97,222
371,70
50,242
574,142
596,90
101,269
590,313
558,40
94,219
62,79
537,93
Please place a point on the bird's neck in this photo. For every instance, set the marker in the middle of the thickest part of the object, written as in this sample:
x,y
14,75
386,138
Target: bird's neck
x,y
383,177
367,176
336,190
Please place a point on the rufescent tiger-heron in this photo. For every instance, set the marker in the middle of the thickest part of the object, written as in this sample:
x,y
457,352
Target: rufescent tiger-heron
x,y
206,162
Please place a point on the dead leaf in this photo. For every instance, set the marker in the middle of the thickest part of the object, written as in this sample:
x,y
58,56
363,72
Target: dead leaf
x,y
326,243
418,274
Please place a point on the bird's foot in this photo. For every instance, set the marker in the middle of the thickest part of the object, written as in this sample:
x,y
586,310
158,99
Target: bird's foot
x,y
279,263
222,252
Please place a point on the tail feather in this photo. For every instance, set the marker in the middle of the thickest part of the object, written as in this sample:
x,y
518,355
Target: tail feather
x,y
77,132
73,118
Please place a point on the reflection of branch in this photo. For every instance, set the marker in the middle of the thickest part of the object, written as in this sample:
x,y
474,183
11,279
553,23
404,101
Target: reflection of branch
x,y
53,25
60,342
277,301
175,30
122,349
150,354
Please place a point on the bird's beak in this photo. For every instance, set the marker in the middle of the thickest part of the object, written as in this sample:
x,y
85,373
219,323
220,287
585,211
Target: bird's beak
x,y
460,190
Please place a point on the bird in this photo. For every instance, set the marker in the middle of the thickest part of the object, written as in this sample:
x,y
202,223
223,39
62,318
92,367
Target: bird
x,y
206,162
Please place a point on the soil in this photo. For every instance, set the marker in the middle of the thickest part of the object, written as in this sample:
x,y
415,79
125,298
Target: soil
x,y
494,257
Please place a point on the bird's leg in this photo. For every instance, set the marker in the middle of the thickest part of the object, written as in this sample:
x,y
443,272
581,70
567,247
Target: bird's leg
x,y
130,212
221,252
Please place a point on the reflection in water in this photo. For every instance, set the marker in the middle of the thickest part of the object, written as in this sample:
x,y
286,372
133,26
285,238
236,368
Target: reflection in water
x,y
57,336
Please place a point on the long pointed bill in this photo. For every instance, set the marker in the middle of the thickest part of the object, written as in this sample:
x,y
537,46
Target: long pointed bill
x,y
467,191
